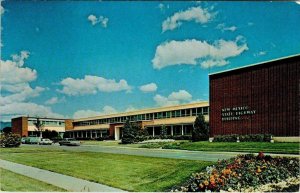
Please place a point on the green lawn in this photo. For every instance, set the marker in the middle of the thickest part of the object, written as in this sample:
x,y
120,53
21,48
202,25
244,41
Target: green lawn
x,y
132,173
252,147
12,182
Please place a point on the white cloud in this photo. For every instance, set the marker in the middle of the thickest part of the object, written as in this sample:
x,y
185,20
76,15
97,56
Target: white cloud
x,y
197,14
162,7
101,19
261,53
152,87
130,108
13,72
15,78
90,113
20,59
31,109
92,85
181,95
2,10
16,90
195,52
21,96
174,98
55,100
223,27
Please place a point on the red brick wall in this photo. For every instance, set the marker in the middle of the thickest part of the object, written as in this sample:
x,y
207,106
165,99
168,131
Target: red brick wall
x,y
271,89
20,126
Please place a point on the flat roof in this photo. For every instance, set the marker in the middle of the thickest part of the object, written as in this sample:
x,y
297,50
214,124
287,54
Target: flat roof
x,y
255,64
149,110
41,118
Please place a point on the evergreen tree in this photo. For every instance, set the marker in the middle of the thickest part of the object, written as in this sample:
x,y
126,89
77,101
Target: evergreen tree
x,y
130,132
7,130
163,132
200,129
39,127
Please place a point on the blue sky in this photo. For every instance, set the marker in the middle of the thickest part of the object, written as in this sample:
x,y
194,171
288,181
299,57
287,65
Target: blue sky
x,y
77,59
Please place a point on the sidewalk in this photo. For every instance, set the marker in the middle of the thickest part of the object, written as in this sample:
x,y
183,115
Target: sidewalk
x,y
66,182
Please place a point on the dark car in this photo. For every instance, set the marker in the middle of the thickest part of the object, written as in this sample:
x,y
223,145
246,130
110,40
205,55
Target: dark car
x,y
70,142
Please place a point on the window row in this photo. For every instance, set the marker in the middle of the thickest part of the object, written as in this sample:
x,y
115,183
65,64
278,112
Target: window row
x,y
147,116
48,123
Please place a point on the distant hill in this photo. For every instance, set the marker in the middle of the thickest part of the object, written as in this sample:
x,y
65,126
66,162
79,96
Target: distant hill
x,y
4,124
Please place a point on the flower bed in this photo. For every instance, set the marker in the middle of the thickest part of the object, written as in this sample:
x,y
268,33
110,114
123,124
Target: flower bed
x,y
246,173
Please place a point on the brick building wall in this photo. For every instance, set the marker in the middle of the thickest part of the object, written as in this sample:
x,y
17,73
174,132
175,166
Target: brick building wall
x,y
262,98
20,126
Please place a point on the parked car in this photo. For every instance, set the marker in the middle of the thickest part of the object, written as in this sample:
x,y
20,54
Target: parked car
x,y
45,141
32,140
23,140
70,142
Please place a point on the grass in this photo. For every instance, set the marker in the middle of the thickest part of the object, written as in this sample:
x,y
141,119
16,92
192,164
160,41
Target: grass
x,y
104,143
251,147
12,182
107,143
131,173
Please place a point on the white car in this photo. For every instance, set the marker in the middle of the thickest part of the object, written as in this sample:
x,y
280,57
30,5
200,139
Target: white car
x,y
45,141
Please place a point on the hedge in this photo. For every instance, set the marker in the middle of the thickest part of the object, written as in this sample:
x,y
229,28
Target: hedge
x,y
243,138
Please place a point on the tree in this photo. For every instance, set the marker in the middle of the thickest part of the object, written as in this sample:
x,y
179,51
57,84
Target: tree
x,y
200,129
163,132
130,132
7,130
39,126
50,134
10,140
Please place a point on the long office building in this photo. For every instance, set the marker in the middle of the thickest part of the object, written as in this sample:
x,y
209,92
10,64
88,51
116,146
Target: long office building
x,y
261,98
24,126
178,120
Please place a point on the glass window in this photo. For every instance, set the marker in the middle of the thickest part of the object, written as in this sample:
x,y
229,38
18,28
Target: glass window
x,y
199,111
173,113
168,114
205,110
188,112
183,113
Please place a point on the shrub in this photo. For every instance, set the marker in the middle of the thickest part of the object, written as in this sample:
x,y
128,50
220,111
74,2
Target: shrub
x,y
225,138
200,130
182,137
7,130
10,140
243,138
107,137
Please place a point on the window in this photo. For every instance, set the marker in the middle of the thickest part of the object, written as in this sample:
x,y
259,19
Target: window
x,y
168,114
188,112
199,111
183,113
205,110
194,113
173,113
